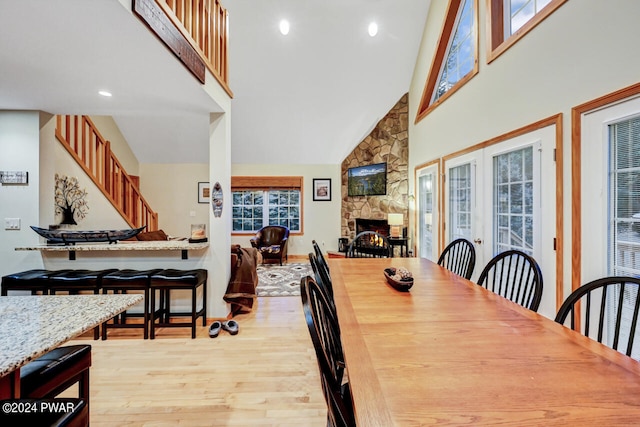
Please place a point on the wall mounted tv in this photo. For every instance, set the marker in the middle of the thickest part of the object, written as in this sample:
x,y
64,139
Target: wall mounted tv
x,y
370,180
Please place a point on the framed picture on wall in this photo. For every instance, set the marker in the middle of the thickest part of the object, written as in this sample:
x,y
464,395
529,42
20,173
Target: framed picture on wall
x,y
203,192
322,189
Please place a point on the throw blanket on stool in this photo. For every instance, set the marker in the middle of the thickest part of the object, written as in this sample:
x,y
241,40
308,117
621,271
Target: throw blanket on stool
x,y
241,290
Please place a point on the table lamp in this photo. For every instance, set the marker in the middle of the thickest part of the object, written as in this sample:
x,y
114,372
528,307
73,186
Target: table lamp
x,y
395,220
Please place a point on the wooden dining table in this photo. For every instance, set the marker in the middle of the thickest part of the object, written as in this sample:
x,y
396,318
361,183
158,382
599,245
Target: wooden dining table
x,y
449,352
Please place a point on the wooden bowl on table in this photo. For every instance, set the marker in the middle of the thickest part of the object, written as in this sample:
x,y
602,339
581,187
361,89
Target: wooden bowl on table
x,y
399,278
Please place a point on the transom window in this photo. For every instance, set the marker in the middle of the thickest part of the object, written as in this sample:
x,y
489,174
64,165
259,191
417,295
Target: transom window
x,y
461,56
519,12
262,201
510,20
455,60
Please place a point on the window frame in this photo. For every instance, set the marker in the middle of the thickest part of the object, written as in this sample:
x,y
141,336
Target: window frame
x,y
444,42
266,183
497,43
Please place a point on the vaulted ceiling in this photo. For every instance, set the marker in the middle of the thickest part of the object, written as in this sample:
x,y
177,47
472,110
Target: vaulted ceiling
x,y
308,97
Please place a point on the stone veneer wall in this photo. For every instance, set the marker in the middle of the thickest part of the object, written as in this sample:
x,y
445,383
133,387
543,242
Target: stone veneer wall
x,y
388,142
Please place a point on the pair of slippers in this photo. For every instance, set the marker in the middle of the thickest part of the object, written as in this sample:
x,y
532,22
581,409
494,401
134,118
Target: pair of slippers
x,y
230,326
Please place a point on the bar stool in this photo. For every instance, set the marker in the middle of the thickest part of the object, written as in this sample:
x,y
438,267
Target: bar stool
x,y
167,280
31,280
122,281
55,371
76,281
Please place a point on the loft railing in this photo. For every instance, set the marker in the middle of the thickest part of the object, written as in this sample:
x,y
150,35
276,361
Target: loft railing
x,y
205,24
93,153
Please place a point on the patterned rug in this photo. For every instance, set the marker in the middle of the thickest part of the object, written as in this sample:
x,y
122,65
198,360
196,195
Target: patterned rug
x,y
281,281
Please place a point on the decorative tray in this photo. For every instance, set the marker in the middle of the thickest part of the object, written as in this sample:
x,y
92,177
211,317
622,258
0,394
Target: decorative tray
x,y
70,237
399,278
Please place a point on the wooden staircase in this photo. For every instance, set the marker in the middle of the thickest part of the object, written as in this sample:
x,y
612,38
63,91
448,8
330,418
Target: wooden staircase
x,y
92,152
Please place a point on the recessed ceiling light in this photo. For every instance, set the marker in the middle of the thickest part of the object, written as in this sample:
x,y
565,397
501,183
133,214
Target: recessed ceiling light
x,y
104,93
284,27
373,29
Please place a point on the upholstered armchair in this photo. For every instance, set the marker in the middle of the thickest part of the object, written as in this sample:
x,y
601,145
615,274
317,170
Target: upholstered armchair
x,y
271,241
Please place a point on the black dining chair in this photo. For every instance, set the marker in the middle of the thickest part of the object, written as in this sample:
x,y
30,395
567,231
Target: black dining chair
x,y
322,275
322,262
459,257
516,276
325,336
369,244
605,310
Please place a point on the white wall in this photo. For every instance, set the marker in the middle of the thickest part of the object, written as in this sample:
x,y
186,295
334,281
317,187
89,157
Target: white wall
x,y
321,219
172,191
582,51
19,151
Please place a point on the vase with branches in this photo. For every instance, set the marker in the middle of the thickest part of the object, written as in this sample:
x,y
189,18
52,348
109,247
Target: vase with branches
x,y
70,199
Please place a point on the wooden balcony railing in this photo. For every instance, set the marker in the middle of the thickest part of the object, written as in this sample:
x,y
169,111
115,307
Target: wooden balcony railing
x,y
83,141
205,24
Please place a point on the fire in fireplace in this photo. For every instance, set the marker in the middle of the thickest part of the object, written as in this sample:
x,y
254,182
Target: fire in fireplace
x,y
380,226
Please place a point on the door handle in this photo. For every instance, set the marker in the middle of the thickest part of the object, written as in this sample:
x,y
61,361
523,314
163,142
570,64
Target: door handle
x,y
477,241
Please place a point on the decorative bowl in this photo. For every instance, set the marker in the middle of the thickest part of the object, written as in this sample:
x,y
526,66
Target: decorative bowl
x,y
397,281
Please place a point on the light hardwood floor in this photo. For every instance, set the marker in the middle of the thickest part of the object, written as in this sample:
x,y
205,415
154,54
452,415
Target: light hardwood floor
x,y
267,375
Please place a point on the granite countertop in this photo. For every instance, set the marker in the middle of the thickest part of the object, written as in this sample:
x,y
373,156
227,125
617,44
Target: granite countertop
x,y
124,245
32,325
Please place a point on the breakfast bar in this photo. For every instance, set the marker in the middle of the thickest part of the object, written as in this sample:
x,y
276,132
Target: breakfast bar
x,y
30,326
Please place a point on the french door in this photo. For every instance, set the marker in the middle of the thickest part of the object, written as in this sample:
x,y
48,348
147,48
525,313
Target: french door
x,y
494,198
427,219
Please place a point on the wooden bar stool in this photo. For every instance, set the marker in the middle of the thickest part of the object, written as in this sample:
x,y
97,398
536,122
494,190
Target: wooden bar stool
x,y
35,281
76,281
54,372
122,281
167,280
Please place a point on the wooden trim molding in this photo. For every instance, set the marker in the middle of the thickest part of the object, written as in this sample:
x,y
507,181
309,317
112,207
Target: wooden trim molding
x,y
576,172
266,182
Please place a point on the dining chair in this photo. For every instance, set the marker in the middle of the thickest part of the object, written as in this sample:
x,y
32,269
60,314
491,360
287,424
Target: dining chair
x,y
605,310
369,244
321,275
325,336
322,262
516,276
459,257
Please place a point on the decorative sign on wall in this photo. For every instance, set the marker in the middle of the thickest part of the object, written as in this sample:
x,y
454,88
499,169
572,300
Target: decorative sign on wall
x,y
216,199
14,177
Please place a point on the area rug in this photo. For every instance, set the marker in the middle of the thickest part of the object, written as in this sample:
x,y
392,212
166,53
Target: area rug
x,y
281,281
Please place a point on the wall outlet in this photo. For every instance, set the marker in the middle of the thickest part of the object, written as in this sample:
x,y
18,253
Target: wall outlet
x,y
192,213
12,223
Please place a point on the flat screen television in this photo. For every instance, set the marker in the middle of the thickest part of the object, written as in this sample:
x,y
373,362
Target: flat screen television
x,y
369,180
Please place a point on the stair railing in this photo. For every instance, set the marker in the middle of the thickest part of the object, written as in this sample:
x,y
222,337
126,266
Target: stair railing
x,y
205,23
93,153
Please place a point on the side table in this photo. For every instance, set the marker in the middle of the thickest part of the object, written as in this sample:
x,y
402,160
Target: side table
x,y
402,242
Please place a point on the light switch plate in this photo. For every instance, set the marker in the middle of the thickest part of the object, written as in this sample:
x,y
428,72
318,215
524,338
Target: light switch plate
x,y
12,223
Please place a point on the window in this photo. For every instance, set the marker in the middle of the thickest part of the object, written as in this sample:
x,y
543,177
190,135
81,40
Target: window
x,y
427,203
460,193
624,198
455,60
261,201
512,19
513,201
